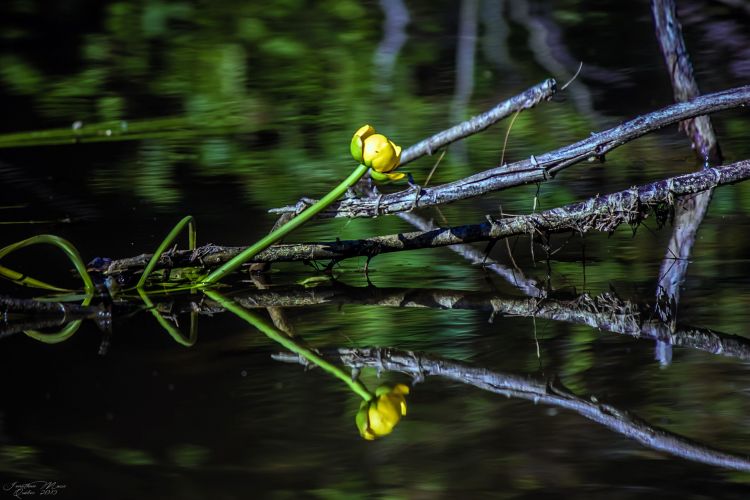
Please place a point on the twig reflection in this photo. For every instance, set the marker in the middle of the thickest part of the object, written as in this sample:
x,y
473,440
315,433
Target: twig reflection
x,y
548,393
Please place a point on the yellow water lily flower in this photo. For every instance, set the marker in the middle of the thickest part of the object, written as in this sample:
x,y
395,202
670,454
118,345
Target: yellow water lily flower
x,y
377,152
378,417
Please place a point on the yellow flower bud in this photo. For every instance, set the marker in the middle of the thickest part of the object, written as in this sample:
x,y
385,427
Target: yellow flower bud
x,y
375,150
358,141
378,417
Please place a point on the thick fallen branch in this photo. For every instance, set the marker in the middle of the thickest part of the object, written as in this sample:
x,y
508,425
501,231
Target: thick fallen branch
x,y
602,213
420,366
536,169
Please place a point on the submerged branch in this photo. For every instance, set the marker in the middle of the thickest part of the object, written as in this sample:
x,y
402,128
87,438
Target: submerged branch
x,y
522,387
602,213
539,168
689,210
685,88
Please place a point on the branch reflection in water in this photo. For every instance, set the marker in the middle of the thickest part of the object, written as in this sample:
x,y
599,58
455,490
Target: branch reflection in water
x,y
380,411
605,312
549,393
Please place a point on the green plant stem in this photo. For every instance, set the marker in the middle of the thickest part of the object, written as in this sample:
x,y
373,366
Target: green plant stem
x,y
169,327
62,335
47,239
278,336
187,220
290,226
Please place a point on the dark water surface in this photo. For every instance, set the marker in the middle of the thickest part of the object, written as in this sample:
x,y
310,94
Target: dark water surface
x,y
251,106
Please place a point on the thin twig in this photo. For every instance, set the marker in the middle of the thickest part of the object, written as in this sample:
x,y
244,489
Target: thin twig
x,y
435,166
507,134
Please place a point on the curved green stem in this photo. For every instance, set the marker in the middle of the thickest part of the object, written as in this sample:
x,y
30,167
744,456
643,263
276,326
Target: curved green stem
x,y
62,335
276,335
48,239
72,253
170,329
187,220
290,226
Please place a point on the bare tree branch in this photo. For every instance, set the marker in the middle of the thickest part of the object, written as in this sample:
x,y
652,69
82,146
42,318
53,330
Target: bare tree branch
x,y
536,169
602,213
525,100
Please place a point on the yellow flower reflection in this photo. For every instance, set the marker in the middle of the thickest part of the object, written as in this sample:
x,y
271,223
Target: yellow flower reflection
x,y
378,417
377,152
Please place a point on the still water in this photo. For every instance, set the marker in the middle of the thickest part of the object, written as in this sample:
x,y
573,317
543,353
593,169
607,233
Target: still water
x,y
239,107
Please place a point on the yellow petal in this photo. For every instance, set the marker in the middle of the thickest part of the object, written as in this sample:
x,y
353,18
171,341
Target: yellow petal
x,y
386,160
395,176
401,389
397,149
355,147
383,416
365,131
377,152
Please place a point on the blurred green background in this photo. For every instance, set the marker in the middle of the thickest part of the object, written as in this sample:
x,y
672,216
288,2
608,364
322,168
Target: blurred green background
x,y
158,109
